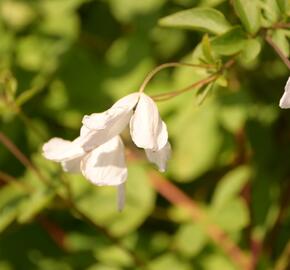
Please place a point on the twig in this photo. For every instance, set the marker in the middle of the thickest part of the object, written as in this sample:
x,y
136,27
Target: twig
x,y
55,232
167,65
278,51
280,25
177,197
166,96
207,80
20,156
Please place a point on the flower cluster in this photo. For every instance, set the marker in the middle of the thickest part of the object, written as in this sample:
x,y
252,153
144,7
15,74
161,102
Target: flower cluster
x,y
98,153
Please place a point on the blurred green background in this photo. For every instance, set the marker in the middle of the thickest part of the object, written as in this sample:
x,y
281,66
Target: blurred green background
x,y
61,59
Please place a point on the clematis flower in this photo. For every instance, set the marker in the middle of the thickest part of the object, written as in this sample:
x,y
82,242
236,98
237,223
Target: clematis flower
x,y
98,153
147,129
285,100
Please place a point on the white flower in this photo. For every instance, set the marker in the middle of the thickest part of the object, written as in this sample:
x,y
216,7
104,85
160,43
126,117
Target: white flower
x,y
285,100
98,153
147,129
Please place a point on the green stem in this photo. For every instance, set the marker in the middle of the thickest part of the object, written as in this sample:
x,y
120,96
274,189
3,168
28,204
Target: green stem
x,y
167,65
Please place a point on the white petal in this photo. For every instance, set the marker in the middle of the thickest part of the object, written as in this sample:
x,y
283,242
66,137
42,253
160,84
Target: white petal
x,y
118,111
121,189
105,165
84,131
128,101
59,150
159,157
73,165
146,127
285,100
104,126
162,136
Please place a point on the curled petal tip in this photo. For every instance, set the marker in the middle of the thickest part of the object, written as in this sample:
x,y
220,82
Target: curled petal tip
x,y
159,157
285,99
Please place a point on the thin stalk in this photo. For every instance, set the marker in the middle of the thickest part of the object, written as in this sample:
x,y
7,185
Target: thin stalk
x,y
167,65
169,95
207,80
280,25
20,156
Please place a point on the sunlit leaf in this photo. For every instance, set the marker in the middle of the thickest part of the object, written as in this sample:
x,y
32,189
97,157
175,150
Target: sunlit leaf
x,y
232,216
229,43
280,39
10,199
230,185
251,50
190,239
199,128
202,19
169,261
34,204
249,13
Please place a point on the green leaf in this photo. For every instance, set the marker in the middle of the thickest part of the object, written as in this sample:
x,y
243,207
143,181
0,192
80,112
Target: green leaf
x,y
251,50
17,14
283,5
202,19
10,199
35,203
230,42
207,49
216,261
125,10
8,85
113,255
279,37
270,11
168,261
199,129
230,185
249,13
203,93
232,216
190,239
